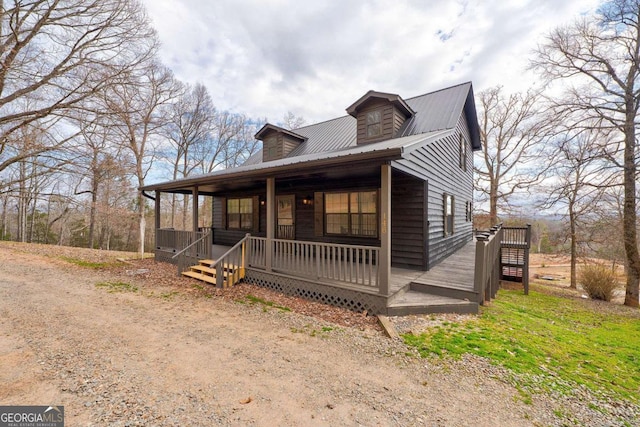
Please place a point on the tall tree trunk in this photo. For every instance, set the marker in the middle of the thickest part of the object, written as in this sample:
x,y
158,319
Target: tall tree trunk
x,y
92,212
574,254
629,223
493,203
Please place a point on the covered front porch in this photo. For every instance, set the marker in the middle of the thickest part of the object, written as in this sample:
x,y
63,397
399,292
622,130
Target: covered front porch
x,y
345,276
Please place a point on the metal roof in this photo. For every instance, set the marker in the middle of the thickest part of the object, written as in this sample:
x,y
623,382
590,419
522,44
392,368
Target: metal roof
x,y
384,150
334,141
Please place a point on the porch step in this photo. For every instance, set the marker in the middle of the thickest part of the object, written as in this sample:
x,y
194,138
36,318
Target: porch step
x,y
415,302
443,289
232,274
200,276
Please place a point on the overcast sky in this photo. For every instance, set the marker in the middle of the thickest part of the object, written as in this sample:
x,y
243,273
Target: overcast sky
x,y
315,58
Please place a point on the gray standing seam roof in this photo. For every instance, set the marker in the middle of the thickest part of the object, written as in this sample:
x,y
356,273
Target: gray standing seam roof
x,y
435,111
436,116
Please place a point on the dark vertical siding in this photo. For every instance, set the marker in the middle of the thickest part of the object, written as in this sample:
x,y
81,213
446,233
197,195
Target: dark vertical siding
x,y
407,221
438,163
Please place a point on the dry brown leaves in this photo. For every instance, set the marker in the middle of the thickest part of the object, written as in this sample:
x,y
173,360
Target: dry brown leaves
x,y
151,274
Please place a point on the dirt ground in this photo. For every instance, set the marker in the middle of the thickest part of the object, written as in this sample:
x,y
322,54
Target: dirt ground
x,y
153,353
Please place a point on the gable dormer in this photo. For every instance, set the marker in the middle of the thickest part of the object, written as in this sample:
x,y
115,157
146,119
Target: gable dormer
x,y
379,116
277,142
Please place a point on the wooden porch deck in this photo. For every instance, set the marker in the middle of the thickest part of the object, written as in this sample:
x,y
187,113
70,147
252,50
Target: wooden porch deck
x,y
446,288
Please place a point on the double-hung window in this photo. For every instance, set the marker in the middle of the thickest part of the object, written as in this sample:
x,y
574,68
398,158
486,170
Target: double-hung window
x,y
240,214
448,209
374,124
352,213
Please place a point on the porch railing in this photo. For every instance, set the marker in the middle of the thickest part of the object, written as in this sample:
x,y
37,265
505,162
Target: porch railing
x,y
487,269
195,246
168,238
349,264
230,266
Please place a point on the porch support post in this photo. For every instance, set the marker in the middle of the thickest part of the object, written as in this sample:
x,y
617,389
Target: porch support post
x,y
157,205
194,193
157,216
385,230
271,221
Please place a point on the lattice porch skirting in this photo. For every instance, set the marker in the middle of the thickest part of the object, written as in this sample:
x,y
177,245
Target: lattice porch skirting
x,y
320,292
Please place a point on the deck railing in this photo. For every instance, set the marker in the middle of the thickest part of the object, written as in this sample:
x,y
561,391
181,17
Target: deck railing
x,y
516,237
487,269
349,264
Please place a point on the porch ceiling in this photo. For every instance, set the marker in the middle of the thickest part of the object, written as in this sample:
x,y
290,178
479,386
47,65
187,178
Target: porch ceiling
x,y
210,185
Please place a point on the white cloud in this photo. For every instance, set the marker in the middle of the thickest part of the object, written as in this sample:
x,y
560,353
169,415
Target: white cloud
x,y
265,58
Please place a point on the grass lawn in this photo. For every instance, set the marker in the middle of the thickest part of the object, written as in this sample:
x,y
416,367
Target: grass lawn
x,y
560,341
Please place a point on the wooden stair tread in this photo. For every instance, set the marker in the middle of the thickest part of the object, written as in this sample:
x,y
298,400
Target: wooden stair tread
x,y
198,276
209,271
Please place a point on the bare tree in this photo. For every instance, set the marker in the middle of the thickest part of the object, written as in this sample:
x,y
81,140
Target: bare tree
x,y
577,183
136,104
232,142
513,133
291,121
190,123
54,54
600,57
98,160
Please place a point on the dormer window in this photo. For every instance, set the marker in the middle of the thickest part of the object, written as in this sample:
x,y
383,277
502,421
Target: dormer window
x,y
374,124
271,147
277,142
380,116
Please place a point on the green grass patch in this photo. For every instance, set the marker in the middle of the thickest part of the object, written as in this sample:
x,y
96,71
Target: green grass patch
x,y
562,341
168,295
252,299
86,264
112,287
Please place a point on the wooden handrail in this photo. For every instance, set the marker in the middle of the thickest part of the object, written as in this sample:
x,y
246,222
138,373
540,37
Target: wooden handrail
x,y
230,258
180,254
192,244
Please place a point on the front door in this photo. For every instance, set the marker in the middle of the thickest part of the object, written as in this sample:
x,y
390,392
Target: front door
x,y
286,227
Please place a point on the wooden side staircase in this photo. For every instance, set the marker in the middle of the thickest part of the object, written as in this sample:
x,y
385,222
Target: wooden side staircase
x,y
231,273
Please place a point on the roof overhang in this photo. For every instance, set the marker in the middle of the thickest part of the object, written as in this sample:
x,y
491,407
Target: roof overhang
x,y
267,128
245,177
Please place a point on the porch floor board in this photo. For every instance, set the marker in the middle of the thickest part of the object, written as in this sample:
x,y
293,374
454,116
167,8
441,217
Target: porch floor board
x,y
456,271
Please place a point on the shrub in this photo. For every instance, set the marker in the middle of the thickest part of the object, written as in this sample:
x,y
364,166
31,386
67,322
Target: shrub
x,y
598,281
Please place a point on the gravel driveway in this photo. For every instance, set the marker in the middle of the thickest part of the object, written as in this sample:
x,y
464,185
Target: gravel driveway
x,y
152,356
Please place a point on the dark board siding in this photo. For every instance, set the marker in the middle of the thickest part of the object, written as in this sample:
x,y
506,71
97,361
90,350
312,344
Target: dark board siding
x,y
304,213
288,145
386,110
407,221
438,163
